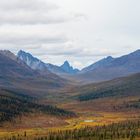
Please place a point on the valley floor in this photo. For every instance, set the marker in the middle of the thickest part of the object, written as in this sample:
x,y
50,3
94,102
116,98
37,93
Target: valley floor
x,y
39,125
92,112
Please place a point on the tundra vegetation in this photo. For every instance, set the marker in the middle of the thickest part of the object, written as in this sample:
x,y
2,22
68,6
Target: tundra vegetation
x,y
128,130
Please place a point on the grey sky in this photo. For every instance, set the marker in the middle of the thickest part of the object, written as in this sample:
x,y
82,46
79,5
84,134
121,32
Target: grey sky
x,y
81,31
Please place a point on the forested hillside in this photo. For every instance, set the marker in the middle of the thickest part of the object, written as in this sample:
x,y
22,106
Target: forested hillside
x,y
121,87
13,104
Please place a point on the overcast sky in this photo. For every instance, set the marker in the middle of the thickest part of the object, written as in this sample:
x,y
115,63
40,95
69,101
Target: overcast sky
x,y
80,31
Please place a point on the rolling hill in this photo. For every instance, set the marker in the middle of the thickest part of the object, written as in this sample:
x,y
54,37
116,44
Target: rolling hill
x,y
120,87
117,95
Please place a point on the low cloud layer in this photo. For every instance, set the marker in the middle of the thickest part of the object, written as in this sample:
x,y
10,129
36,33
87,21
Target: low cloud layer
x,y
79,31
29,12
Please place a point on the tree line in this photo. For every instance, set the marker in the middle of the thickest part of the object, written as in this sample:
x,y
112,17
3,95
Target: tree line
x,y
129,130
14,105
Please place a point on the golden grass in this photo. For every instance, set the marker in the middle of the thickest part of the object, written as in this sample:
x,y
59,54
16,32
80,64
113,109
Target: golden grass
x,y
93,111
98,118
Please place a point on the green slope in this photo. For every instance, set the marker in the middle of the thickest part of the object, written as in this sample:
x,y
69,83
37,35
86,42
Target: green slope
x,y
121,87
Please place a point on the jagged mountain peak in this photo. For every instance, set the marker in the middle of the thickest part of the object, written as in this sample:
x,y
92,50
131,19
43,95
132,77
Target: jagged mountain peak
x,y
37,64
26,54
11,66
31,61
66,64
21,52
68,68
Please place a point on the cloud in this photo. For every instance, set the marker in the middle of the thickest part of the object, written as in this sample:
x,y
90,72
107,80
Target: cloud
x,y
77,64
32,12
31,5
76,30
69,49
31,39
29,36
27,12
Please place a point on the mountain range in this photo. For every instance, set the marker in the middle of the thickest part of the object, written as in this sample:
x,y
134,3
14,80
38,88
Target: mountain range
x,y
105,69
110,68
37,64
16,74
10,65
30,87
25,64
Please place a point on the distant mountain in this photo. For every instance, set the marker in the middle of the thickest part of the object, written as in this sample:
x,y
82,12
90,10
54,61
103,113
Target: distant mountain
x,y
15,73
68,69
110,68
37,64
9,54
11,66
31,61
105,69
101,63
